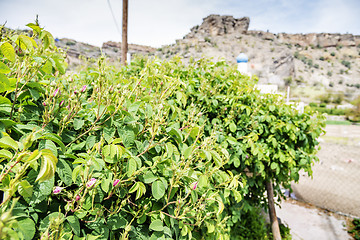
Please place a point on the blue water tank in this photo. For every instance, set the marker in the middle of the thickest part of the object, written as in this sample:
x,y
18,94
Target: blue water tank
x,y
242,58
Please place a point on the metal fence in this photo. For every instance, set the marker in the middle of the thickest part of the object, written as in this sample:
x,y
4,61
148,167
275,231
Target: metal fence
x,y
335,185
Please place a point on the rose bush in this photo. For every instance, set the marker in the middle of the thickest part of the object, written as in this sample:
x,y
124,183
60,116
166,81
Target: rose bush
x,y
154,150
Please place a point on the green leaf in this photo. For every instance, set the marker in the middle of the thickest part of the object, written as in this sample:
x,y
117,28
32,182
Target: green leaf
x,y
75,173
25,189
158,189
5,107
140,191
51,146
194,197
108,133
48,39
237,195
127,136
60,64
27,228
34,94
169,149
78,123
157,225
90,142
272,108
134,187
216,158
34,27
232,127
25,43
74,224
64,171
8,142
105,185
149,177
44,223
7,122
133,108
32,159
194,132
116,221
210,226
5,154
55,138
47,67
48,165
236,161
131,167
203,181
4,68
187,152
8,51
274,165
4,83
176,133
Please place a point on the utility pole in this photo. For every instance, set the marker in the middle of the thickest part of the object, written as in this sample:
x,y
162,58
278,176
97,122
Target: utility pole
x,y
124,44
273,218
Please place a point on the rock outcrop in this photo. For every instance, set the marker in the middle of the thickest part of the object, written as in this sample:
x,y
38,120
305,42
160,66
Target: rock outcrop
x,y
113,49
323,40
216,25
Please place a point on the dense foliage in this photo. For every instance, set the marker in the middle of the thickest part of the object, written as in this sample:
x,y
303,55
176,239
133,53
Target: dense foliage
x,y
154,150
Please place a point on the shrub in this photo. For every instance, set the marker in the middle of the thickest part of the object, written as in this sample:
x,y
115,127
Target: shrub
x,y
70,43
346,63
354,114
152,150
312,104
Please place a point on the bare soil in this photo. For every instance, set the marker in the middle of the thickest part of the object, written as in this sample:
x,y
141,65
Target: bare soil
x,y
336,177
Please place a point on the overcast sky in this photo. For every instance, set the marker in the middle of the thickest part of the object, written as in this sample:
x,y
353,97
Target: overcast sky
x,y
159,22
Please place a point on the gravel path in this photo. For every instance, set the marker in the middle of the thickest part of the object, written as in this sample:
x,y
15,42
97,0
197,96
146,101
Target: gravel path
x,y
309,223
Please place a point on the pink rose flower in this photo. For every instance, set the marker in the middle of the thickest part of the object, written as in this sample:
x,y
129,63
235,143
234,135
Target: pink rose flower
x,y
56,92
83,88
57,190
44,103
116,182
91,183
77,198
194,185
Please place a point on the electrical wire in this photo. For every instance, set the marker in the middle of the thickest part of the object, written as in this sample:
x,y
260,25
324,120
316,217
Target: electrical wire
x,y
112,13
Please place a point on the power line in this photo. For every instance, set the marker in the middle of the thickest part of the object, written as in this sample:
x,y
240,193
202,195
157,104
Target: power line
x,y
112,13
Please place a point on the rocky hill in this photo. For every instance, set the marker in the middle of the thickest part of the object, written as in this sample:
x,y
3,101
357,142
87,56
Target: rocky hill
x,y
314,65
112,50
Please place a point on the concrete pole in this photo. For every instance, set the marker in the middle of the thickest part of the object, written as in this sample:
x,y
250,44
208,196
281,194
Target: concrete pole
x,y
124,44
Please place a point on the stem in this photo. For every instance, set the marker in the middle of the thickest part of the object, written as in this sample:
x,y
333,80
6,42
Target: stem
x,y
11,167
